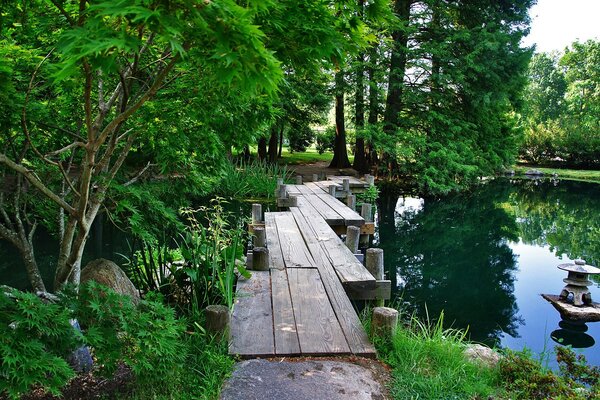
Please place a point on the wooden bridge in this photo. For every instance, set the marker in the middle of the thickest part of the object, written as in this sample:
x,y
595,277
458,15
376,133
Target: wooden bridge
x,y
297,300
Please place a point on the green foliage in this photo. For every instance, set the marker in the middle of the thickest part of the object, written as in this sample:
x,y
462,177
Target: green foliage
x,y
562,107
325,140
575,369
35,338
250,179
428,363
212,254
525,378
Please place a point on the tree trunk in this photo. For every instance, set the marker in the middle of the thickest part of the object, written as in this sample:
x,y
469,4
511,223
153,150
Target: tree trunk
x,y
360,161
397,68
280,141
262,148
273,141
370,154
340,152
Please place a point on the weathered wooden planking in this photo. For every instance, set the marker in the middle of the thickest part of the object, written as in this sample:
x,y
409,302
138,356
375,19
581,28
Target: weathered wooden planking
x,y
318,328
367,229
349,270
354,182
275,256
293,189
305,190
331,216
315,188
294,250
284,323
351,217
382,290
251,332
349,322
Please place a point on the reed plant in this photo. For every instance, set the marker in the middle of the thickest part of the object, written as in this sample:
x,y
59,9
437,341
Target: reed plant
x,y
254,179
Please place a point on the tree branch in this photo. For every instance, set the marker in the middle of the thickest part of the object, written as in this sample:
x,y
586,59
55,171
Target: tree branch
x,y
35,182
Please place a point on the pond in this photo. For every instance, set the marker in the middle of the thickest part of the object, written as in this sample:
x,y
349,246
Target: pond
x,y
483,258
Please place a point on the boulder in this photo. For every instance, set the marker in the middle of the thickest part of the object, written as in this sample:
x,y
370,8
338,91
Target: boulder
x,y
107,273
534,172
482,354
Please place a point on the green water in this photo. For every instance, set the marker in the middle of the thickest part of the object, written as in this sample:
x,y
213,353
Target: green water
x,y
484,257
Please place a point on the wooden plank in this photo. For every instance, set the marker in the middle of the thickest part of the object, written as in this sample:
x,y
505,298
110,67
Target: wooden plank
x,y
331,216
284,322
275,255
293,189
349,270
351,217
318,328
367,229
294,250
315,188
251,332
354,182
349,322
305,190
382,290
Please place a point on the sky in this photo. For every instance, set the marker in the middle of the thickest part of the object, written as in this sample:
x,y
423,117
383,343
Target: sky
x,y
555,24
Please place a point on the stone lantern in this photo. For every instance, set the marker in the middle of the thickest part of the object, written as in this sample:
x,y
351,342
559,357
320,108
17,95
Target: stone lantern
x,y
577,282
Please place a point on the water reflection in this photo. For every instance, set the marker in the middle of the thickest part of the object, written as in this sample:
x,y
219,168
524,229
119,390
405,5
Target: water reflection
x,y
572,333
453,255
484,257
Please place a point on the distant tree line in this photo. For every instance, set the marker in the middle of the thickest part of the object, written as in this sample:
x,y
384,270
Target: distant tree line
x,y
561,112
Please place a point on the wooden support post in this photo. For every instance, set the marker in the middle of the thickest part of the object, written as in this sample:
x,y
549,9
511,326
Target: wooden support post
x,y
260,237
282,191
298,179
315,177
351,202
217,319
352,235
374,263
332,190
249,260
279,182
256,213
384,322
260,259
370,179
365,212
346,185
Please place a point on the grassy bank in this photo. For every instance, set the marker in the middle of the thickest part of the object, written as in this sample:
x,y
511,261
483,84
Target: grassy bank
x,y
428,362
572,174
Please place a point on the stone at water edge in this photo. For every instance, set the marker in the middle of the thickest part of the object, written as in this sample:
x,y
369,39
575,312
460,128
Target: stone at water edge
x,y
534,172
107,273
482,354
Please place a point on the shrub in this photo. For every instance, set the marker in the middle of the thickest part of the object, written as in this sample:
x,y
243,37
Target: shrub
x,y
250,180
35,338
325,140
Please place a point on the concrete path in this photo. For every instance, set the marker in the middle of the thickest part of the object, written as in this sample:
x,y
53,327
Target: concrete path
x,y
310,380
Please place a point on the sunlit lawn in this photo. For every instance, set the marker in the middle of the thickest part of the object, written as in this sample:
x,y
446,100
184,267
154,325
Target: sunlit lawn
x,y
575,174
310,156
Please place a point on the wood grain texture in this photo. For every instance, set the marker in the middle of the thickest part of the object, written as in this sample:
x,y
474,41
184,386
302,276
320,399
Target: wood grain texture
x,y
354,182
349,322
349,270
318,328
294,250
351,217
331,216
275,256
284,322
251,331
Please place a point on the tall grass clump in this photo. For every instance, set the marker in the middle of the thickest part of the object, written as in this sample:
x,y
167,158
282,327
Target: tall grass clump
x,y
252,179
428,363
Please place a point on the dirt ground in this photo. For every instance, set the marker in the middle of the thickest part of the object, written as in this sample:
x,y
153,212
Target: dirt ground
x,y
307,170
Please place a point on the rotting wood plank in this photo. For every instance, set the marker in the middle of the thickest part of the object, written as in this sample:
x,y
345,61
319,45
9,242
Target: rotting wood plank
x,y
275,255
349,322
318,328
331,216
284,322
351,217
251,332
349,270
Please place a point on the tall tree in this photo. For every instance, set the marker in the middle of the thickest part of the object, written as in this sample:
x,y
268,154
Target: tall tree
x,y
340,151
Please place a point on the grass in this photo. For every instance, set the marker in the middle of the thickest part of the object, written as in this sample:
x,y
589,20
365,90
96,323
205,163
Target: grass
x,y
571,174
310,156
428,363
250,180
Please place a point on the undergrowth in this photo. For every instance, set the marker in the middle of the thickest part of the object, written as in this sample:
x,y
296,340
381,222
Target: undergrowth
x,y
250,179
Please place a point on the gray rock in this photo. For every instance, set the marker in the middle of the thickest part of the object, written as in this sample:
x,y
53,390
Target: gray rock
x,y
310,380
534,172
109,274
482,354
